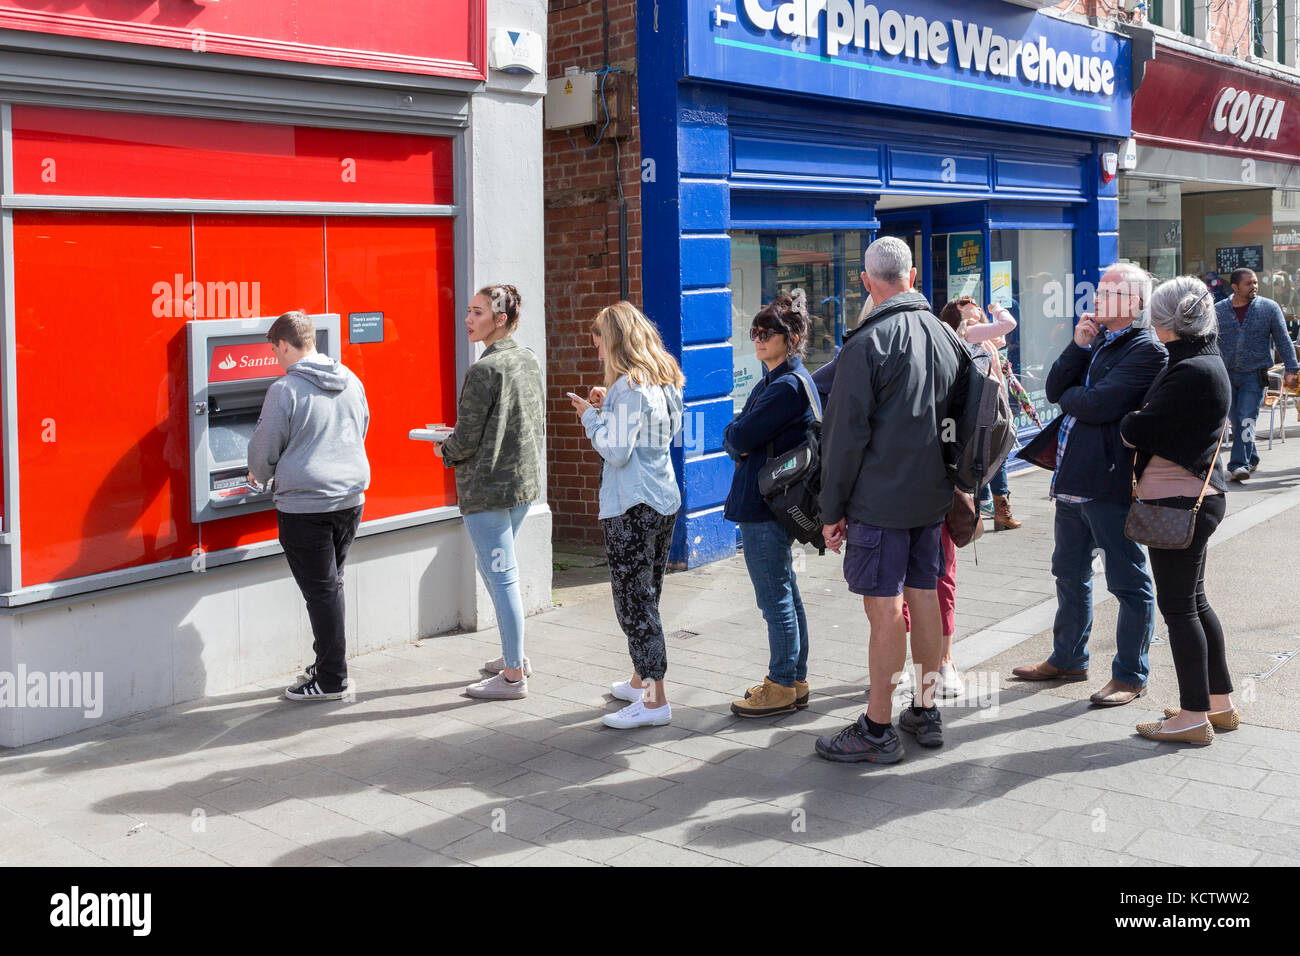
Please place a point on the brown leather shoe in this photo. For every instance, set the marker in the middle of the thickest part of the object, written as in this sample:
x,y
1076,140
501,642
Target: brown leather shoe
x,y
1116,693
1046,671
1002,516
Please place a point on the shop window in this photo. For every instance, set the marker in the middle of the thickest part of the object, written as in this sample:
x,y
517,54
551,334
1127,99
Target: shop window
x,y
1032,276
1150,226
824,268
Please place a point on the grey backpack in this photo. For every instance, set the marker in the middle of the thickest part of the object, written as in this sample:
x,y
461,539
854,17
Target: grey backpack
x,y
980,431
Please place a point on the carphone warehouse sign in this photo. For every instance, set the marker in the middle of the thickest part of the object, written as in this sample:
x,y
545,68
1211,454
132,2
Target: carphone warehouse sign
x,y
983,59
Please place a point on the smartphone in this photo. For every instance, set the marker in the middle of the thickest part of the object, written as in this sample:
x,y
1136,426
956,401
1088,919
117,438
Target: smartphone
x,y
574,395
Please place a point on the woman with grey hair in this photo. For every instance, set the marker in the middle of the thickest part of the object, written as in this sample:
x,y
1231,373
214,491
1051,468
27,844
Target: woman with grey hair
x,y
1176,437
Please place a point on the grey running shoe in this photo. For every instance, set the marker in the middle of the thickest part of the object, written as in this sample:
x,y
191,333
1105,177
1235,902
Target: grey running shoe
x,y
498,665
924,724
498,688
854,744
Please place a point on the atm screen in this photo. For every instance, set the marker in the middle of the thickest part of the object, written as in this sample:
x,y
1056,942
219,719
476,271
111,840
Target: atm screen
x,y
228,435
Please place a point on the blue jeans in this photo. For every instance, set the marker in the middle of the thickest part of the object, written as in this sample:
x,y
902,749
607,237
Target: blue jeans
x,y
1079,529
771,569
1247,400
998,486
493,534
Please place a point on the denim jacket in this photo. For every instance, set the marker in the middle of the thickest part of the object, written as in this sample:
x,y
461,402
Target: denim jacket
x,y
634,432
1245,345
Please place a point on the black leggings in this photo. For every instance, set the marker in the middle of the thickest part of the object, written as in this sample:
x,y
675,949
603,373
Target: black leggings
x,y
1195,636
636,545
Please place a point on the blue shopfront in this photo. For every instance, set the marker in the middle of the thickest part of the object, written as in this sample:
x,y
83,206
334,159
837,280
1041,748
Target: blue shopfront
x,y
780,138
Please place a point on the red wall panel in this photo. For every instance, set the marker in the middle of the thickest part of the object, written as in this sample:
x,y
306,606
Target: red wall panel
x,y
278,263
404,268
439,37
102,435
102,368
67,152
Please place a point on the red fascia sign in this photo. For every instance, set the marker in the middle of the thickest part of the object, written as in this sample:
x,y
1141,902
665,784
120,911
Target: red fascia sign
x,y
1190,103
434,37
238,363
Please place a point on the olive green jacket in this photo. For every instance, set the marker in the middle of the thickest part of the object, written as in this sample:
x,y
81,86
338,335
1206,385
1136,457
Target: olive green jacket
x,y
498,444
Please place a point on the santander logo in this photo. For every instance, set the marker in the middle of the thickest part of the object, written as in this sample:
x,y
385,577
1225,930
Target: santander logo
x,y
1246,115
235,363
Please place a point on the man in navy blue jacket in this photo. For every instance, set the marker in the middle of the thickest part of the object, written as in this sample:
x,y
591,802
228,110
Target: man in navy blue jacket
x,y
1248,325
1100,377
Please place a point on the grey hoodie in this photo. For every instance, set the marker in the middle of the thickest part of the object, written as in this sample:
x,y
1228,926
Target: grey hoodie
x,y
311,437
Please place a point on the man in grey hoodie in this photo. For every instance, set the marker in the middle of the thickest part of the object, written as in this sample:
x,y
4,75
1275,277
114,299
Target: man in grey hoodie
x,y
311,439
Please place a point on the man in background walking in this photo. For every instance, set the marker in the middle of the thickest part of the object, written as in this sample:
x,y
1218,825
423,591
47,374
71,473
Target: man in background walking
x,y
1247,323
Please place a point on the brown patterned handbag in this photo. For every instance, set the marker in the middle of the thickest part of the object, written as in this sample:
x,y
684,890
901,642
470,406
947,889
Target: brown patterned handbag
x,y
1163,527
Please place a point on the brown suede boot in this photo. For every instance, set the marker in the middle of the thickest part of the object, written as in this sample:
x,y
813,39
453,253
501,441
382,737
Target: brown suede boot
x,y
1002,516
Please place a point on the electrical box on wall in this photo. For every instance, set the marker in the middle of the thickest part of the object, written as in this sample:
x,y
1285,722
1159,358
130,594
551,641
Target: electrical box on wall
x,y
571,100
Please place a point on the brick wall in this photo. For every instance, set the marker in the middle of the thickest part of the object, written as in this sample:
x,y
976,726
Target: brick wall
x,y
582,261
1229,26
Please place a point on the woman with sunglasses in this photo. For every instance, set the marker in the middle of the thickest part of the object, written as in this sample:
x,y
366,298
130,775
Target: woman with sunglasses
x,y
775,419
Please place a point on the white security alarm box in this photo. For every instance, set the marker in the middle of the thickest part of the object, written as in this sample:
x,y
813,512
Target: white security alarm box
x,y
571,100
516,51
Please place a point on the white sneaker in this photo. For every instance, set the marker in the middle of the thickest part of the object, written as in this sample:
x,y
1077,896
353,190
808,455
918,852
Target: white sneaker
x,y
1240,474
639,715
950,684
623,690
497,687
498,665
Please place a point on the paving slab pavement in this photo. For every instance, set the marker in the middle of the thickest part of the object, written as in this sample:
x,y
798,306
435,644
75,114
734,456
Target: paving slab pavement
x,y
413,773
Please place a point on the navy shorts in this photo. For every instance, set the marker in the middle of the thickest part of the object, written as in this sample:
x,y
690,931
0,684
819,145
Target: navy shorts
x,y
880,562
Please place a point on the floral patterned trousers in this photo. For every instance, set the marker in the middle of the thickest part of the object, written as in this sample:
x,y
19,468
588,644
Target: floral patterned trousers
x,y
636,546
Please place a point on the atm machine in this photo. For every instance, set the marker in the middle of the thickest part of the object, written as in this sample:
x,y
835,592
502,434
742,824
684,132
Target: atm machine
x,y
231,367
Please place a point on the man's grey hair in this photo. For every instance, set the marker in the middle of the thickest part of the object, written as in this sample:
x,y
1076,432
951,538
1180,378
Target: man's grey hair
x,y
888,259
1135,279
1184,306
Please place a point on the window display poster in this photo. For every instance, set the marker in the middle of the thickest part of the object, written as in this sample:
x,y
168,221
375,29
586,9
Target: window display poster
x,y
1239,257
965,264
1000,279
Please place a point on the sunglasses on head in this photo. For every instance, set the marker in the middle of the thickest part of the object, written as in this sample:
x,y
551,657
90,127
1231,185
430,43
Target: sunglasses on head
x,y
761,335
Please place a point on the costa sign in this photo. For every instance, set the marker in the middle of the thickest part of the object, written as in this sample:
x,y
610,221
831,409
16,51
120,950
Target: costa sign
x,y
1192,104
1246,115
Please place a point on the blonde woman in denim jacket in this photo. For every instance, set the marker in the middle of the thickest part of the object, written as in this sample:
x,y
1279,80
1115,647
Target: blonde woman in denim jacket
x,y
631,422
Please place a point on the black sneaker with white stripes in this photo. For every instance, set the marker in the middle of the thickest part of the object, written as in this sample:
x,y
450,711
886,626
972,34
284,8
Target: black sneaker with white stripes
x,y
311,690
309,673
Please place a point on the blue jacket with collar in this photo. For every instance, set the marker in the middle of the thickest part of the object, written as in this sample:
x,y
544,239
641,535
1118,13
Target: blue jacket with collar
x,y
776,413
1099,386
1245,345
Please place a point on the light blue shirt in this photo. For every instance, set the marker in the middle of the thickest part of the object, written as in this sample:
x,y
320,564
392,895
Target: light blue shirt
x,y
634,433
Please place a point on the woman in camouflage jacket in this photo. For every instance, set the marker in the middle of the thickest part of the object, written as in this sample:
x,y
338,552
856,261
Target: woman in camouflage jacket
x,y
497,450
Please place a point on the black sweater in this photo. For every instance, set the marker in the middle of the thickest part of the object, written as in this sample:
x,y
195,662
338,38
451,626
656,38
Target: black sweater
x,y
1183,413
